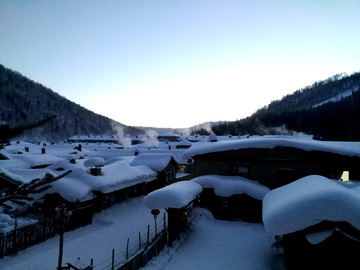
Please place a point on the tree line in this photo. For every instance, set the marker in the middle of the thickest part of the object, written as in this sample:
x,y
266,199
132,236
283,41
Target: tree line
x,y
332,120
23,101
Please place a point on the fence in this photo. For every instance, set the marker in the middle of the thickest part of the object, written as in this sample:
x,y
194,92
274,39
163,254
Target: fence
x,y
24,237
47,226
139,251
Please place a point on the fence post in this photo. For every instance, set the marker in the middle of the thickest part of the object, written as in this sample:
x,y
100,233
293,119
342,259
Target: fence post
x,y
155,226
127,249
61,233
164,221
148,236
15,236
113,260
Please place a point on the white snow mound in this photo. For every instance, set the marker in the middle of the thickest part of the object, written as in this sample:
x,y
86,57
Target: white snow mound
x,y
176,195
94,162
226,186
342,148
309,201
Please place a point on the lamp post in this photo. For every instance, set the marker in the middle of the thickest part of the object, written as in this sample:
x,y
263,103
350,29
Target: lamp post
x,y
62,214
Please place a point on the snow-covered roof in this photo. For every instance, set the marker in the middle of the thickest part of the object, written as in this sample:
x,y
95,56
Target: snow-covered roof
x,y
226,186
155,161
79,184
10,176
176,195
185,142
168,134
27,175
309,201
37,160
343,148
94,162
104,138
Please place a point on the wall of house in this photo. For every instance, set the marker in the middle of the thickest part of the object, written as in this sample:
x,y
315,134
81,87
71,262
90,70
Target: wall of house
x,y
278,166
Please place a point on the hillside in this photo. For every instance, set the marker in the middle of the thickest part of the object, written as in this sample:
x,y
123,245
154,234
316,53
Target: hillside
x,y
328,110
23,101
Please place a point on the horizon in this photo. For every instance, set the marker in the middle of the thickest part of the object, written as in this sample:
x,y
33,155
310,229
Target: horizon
x,y
175,65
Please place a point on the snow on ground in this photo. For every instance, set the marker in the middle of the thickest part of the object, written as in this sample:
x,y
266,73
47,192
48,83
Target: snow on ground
x,y
210,243
110,229
339,97
215,244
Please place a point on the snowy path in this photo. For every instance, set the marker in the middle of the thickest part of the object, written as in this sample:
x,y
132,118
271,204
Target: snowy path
x,y
211,244
214,244
110,229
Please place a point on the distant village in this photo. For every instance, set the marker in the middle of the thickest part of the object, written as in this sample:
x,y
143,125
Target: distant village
x,y
300,189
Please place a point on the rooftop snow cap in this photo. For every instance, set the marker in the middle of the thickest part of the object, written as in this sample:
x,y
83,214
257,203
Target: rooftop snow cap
x,y
270,142
309,201
94,162
176,195
155,161
226,186
212,138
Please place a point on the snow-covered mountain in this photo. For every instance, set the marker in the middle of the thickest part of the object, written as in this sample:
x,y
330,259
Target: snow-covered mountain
x,y
23,101
328,109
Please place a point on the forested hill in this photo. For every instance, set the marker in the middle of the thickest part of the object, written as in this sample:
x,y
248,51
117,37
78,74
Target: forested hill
x,y
23,101
329,110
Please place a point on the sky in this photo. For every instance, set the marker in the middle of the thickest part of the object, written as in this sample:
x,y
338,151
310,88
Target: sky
x,y
176,64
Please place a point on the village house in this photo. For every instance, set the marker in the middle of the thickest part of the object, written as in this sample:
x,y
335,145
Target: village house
x,y
170,137
178,199
276,161
164,164
316,222
8,180
102,139
232,197
268,162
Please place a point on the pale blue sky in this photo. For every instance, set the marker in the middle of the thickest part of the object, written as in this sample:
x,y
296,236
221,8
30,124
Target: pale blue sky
x,y
178,63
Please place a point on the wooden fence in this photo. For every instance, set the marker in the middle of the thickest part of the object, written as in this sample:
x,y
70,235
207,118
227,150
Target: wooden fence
x,y
21,238
137,252
46,226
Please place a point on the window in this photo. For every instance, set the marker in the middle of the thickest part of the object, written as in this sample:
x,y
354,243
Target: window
x,y
345,176
240,170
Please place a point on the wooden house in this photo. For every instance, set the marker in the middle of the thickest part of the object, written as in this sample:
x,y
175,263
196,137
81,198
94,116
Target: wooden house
x,y
8,180
232,197
178,199
317,223
170,137
276,161
164,164
339,250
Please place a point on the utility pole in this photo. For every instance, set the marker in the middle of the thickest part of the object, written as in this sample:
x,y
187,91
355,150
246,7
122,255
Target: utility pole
x,y
62,214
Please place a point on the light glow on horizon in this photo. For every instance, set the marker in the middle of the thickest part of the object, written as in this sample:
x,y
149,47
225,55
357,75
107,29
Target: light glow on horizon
x,y
178,64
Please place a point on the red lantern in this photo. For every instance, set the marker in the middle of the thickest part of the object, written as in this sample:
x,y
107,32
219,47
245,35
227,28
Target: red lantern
x,y
155,212
184,216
